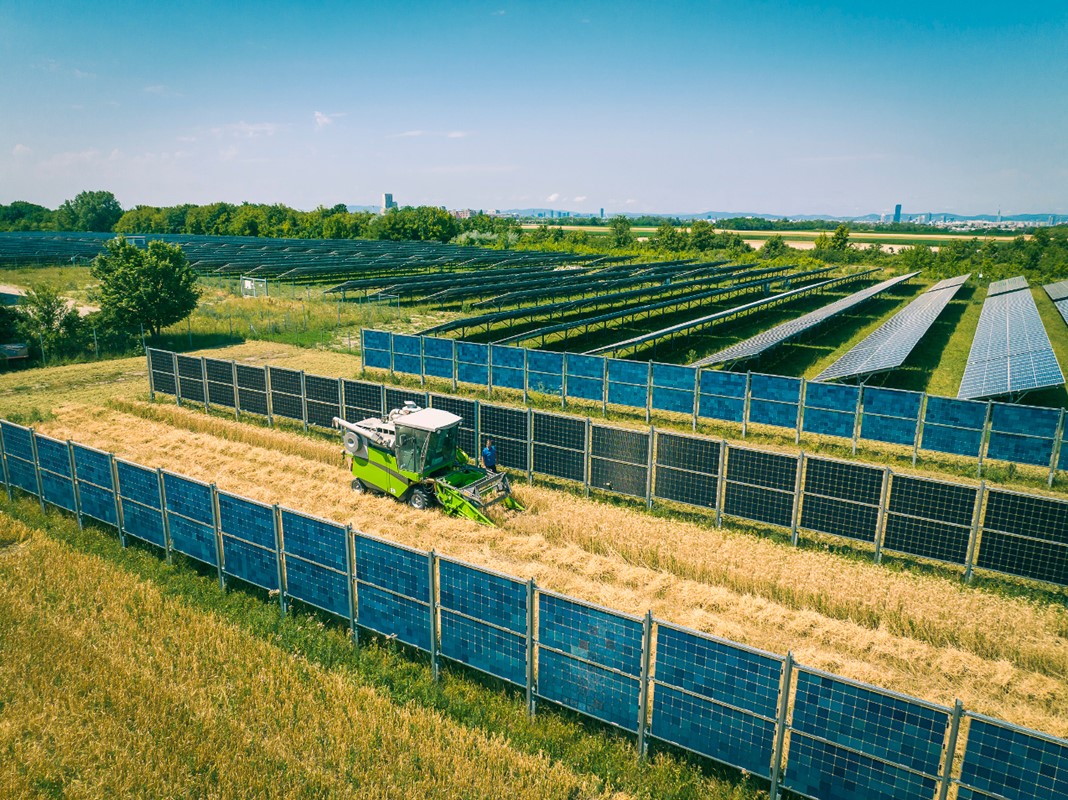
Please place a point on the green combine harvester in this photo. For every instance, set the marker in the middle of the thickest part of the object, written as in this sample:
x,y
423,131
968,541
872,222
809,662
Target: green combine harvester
x,y
412,455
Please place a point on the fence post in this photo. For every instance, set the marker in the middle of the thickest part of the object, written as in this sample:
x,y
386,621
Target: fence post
x,y
532,593
270,395
74,483
696,396
643,701
919,427
279,550
721,482
951,750
489,370
341,398
780,724
435,668
148,358
588,456
563,385
454,365
37,468
350,580
796,515
216,518
649,469
477,425
880,524
526,377
1056,449
973,538
3,458
382,399
204,380
984,441
303,402
237,391
422,361
177,380
858,414
745,407
800,410
163,513
118,499
648,393
391,353
530,445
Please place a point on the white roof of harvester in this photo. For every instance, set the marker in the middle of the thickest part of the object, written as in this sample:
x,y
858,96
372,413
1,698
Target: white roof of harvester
x,y
427,419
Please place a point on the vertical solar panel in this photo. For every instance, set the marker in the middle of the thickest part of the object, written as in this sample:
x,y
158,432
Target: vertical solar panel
x,y
619,460
687,469
96,488
57,484
760,486
396,398
287,398
1025,535
407,354
376,349
774,400
560,446
929,518
467,411
1022,434
191,517
1003,761
673,388
716,698
890,415
585,376
323,400
142,514
315,562
248,540
953,426
190,378
437,357
161,365
507,365
472,363
393,591
722,395
628,383
220,385
841,498
252,389
362,400
545,372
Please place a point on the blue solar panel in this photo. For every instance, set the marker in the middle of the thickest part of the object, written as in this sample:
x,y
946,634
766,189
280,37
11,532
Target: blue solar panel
x,y
888,429
584,366
392,615
721,671
673,376
189,498
730,409
504,356
483,595
471,353
376,359
438,367
1027,420
23,474
764,412
677,400
588,689
138,484
143,522
17,441
829,423
600,636
958,413
58,491
394,568
247,562
97,503
317,586
585,388
410,365
53,455
314,540
1020,449
816,769
376,340
729,736
892,402
831,396
546,362
1014,764
192,538
407,345
633,372
628,394
725,384
93,466
485,648
508,378
247,520
477,374
434,347
958,441
775,387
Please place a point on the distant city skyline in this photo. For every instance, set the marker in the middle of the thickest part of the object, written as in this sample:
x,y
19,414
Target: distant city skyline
x,y
835,108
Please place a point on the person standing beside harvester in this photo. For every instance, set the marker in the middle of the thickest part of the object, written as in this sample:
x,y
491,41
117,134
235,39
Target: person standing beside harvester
x,y
489,456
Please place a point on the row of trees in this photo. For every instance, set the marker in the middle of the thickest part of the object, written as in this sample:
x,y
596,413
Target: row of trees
x,y
88,211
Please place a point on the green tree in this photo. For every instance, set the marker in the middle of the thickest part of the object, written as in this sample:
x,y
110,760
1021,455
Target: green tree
x,y
822,243
89,211
774,247
154,287
840,238
621,235
702,235
49,322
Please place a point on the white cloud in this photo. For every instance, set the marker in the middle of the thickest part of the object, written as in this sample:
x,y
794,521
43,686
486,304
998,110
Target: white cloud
x,y
443,134
322,120
228,153
553,197
21,150
499,13
580,198
457,135
156,88
409,134
247,130
631,201
72,158
81,75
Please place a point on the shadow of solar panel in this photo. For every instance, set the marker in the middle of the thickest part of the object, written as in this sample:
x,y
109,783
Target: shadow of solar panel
x,y
831,397
397,569
758,468
362,400
677,400
143,522
817,769
721,733
781,415
620,445
612,476
672,376
221,394
252,564
588,689
410,365
313,539
376,340
888,429
254,378
219,371
163,382
138,484
840,518
724,672
844,481
393,615
189,498
322,390
1027,515
926,538
775,387
17,441
1007,762
252,402
191,389
286,381
376,359
317,586
828,423
477,374
927,499
189,367
682,486
396,398
1020,449
593,634
53,455
288,406
760,505
631,372
97,503
194,539
560,463
958,441
161,361
407,345
687,452
58,491
487,649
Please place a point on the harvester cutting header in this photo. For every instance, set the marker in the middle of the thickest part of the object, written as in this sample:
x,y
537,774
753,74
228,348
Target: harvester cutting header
x,y
412,454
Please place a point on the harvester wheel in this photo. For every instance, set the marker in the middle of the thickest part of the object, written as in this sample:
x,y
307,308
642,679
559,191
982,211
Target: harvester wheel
x,y
420,498
358,487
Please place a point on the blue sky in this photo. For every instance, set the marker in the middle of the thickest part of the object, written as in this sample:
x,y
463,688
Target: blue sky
x,y
751,106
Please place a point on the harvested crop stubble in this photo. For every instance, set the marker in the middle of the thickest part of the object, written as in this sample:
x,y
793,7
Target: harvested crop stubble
x,y
110,689
920,635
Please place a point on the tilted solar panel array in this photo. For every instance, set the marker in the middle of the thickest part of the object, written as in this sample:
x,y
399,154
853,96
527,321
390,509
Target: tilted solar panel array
x,y
765,341
890,344
1058,293
1007,285
1011,352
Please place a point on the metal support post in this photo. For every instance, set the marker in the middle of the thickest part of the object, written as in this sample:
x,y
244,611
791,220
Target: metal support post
x,y
1055,458
177,380
532,595
643,700
118,499
604,388
800,411
37,468
649,469
973,538
919,427
796,515
269,395
588,456
435,668
648,393
341,397
951,750
279,550
216,518
163,513
780,725
422,361
858,414
745,407
721,482
526,377
986,435
237,392
204,381
530,445
74,483
303,402
563,385
880,525
696,396
382,399
350,580
3,459
454,365
391,353
148,358
489,370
